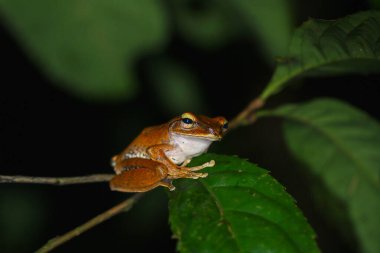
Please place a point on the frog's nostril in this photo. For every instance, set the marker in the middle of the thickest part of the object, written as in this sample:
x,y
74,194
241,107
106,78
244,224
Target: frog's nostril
x,y
215,132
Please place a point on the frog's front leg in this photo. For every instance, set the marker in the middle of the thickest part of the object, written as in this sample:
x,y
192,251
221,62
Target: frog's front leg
x,y
200,167
158,152
186,162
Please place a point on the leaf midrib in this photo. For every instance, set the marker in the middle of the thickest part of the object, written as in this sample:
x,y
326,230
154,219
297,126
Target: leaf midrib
x,y
274,84
221,213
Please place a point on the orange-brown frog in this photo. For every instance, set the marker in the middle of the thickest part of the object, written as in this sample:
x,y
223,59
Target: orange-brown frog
x,y
160,153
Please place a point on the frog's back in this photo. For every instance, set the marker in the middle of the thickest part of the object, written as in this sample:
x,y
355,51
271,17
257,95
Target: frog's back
x,y
150,136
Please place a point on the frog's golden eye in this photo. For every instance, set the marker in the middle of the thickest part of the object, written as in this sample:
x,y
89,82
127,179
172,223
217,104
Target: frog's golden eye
x,y
187,123
187,120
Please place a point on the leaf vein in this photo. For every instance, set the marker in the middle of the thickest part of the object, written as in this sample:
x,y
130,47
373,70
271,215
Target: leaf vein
x,y
362,168
283,232
222,215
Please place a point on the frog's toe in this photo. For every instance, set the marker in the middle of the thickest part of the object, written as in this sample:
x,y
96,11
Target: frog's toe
x,y
198,175
211,163
203,175
205,165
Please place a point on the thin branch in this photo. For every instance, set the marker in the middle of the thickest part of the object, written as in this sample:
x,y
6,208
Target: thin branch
x,y
124,206
247,116
57,180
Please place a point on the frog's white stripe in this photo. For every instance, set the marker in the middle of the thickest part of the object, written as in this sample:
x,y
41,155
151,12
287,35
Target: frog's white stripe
x,y
132,154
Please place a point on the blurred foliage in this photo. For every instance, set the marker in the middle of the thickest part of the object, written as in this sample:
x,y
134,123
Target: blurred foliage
x,y
176,87
375,3
22,215
89,48
342,148
239,207
212,24
208,24
271,21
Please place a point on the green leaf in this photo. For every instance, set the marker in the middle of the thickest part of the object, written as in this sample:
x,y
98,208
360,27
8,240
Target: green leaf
x,y
320,47
340,144
88,48
239,207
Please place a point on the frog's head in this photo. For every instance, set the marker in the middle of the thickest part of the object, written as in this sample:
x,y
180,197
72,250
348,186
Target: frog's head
x,y
199,126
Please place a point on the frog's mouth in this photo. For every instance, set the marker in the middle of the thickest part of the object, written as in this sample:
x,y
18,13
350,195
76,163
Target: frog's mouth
x,y
212,138
209,137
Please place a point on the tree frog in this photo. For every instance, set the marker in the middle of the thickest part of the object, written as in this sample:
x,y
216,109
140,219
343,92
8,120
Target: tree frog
x,y
160,153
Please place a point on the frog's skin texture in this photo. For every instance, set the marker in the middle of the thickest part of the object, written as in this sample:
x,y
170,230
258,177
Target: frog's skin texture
x,y
160,153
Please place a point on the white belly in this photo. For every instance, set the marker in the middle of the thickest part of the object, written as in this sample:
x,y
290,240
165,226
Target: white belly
x,y
186,147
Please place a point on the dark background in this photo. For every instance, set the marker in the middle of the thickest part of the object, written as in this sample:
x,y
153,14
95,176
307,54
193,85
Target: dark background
x,y
45,131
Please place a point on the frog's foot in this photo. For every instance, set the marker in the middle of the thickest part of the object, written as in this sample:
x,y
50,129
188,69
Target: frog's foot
x,y
200,167
198,175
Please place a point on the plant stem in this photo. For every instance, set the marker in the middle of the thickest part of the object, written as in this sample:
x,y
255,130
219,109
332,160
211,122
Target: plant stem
x,y
247,116
96,178
123,206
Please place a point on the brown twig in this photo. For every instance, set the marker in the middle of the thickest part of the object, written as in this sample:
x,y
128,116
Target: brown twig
x,y
59,240
57,180
247,116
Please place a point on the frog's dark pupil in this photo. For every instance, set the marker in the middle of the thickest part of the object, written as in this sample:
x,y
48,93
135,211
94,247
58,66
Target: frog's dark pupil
x,y
225,126
187,121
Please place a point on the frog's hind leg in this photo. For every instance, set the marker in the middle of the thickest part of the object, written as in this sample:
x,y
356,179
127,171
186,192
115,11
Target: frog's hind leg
x,y
140,175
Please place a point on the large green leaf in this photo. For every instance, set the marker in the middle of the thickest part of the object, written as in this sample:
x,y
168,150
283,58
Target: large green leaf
x,y
88,47
320,47
239,207
341,145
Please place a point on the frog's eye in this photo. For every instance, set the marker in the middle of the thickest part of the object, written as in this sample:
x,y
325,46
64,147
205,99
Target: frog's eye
x,y
187,121
225,126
